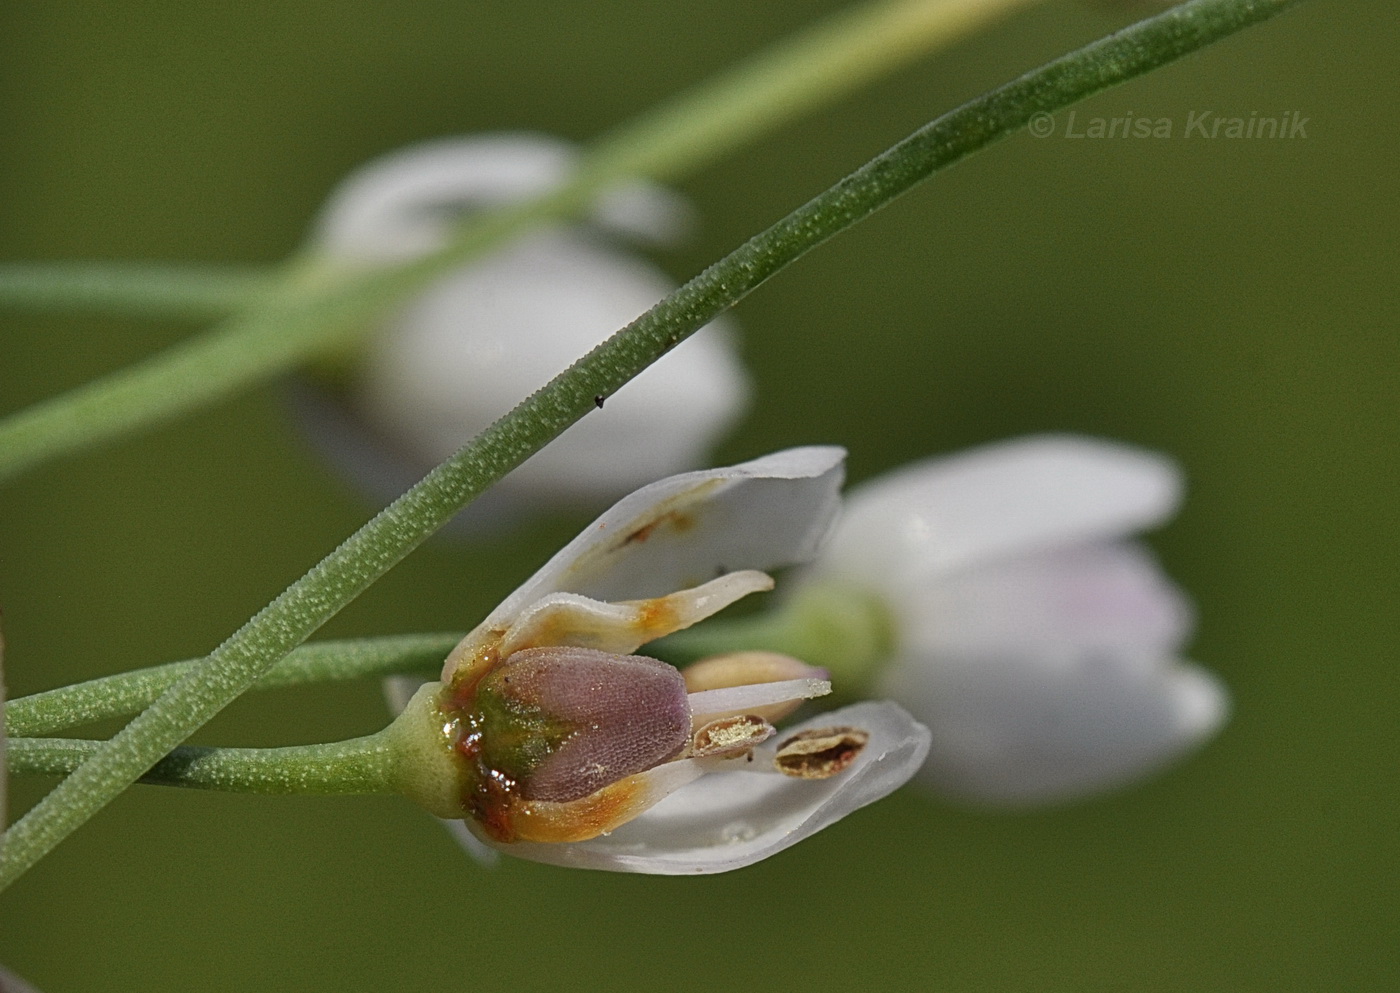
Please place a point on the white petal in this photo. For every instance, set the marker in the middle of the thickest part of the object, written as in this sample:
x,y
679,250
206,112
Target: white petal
x,y
405,204
478,341
1110,599
481,853
932,518
624,626
728,820
685,530
645,212
1030,729
10,983
475,344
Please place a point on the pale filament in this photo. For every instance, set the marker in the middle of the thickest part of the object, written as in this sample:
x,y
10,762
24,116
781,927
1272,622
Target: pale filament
x,y
741,699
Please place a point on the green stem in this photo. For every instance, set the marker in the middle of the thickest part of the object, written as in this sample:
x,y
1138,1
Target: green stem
x,y
358,766
381,543
312,313
130,692
277,334
818,65
134,289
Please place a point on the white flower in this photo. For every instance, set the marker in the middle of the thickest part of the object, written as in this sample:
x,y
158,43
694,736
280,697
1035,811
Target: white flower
x,y
1038,643
10,983
668,555
493,332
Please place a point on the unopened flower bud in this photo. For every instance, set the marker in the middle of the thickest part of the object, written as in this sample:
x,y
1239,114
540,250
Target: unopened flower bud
x,y
471,345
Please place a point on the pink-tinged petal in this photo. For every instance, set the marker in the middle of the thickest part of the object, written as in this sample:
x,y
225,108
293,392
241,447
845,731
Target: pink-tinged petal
x,y
1022,730
727,820
1088,599
935,517
686,530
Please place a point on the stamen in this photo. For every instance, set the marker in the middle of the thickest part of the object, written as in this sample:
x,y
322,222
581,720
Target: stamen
x,y
742,699
820,753
731,737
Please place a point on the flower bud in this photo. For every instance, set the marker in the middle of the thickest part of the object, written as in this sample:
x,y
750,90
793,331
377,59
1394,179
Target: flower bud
x,y
494,330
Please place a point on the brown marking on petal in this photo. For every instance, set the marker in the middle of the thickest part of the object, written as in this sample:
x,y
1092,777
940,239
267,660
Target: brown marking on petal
x,y
578,820
679,511
730,737
674,519
675,513
820,753
657,617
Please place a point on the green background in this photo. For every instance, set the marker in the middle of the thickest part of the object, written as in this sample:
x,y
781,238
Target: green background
x,y
1230,302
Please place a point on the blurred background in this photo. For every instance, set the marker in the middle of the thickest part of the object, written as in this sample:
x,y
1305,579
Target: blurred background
x,y
1231,302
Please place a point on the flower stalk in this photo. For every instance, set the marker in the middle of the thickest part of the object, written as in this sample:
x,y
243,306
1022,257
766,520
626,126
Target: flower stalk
x,y
126,693
134,289
339,768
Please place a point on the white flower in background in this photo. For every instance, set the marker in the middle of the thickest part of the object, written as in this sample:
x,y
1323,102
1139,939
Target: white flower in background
x,y
10,983
488,335
550,740
1036,640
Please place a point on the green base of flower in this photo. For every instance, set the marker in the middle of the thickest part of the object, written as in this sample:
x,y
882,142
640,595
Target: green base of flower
x,y
844,630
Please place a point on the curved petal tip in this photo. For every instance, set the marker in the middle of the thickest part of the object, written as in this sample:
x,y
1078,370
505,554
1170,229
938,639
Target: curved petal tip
x,y
1014,498
1028,732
